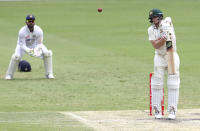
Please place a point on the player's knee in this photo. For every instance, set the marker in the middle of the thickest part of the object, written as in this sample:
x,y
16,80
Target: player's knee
x,y
16,57
173,82
48,53
156,82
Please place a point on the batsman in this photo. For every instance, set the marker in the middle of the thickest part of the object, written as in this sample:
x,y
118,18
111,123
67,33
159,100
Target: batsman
x,y
30,41
162,37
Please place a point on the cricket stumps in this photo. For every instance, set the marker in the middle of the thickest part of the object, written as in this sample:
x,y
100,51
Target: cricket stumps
x,y
150,97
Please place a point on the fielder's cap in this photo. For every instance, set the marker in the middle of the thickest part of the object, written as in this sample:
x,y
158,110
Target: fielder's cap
x,y
30,17
24,66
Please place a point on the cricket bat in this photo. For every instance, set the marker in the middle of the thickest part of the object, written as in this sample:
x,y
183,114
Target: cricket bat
x,y
167,27
170,55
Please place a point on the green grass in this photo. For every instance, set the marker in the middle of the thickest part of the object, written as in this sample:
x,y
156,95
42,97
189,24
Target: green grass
x,y
101,60
38,121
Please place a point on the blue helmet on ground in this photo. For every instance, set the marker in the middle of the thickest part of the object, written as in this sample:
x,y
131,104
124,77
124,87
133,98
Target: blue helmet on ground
x,y
24,66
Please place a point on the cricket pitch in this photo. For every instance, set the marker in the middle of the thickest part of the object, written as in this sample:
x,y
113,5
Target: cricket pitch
x,y
137,120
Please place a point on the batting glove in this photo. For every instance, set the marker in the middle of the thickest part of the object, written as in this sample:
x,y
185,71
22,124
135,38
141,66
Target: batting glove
x,y
30,52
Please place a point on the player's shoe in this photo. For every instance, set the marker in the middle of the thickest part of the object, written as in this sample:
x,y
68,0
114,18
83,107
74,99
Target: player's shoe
x,y
172,114
8,77
158,114
50,76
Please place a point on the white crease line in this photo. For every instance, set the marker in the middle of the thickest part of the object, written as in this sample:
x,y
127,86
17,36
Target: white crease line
x,y
88,123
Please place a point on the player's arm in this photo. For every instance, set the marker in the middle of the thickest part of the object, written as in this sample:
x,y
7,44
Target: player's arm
x,y
39,39
21,42
158,43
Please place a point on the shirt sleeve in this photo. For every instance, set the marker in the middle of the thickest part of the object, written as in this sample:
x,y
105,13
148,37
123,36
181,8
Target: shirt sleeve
x,y
39,37
21,41
151,34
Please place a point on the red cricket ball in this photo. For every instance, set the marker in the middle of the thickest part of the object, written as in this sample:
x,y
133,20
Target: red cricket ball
x,y
100,9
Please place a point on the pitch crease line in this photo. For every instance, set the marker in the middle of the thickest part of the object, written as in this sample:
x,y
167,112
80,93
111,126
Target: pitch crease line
x,y
93,125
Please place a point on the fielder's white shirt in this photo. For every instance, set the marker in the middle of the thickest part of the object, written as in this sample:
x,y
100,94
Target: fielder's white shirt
x,y
155,33
27,39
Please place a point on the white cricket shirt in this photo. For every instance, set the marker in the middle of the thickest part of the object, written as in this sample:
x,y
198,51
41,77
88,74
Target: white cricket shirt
x,y
27,39
155,33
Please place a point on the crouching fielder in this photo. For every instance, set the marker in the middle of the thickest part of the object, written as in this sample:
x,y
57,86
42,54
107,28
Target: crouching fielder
x,y
163,39
30,41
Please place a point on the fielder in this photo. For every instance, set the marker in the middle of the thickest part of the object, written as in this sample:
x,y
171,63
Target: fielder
x,y
158,36
30,41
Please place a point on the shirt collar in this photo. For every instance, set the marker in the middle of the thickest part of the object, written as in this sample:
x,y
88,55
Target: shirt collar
x,y
159,25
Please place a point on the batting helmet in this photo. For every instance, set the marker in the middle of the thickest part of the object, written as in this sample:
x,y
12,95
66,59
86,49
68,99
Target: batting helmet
x,y
24,66
30,17
154,13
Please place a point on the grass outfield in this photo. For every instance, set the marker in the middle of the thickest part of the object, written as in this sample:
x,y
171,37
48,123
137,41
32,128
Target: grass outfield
x,y
101,60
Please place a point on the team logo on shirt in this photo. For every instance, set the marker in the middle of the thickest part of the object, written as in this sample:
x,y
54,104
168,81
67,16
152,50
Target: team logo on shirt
x,y
27,37
34,36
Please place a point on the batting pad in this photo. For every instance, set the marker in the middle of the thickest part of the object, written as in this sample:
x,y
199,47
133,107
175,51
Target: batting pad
x,y
157,91
173,91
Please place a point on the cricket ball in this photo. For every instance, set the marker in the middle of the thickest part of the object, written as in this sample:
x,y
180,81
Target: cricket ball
x,y
100,9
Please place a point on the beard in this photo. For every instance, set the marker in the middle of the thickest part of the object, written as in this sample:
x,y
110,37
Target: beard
x,y
30,26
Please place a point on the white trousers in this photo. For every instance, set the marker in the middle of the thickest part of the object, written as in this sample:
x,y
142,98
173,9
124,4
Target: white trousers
x,y
46,55
160,68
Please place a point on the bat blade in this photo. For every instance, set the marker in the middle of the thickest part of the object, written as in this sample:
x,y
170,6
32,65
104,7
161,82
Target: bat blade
x,y
171,65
